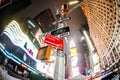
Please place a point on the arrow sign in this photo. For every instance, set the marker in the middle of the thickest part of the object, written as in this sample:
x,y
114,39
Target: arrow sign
x,y
54,41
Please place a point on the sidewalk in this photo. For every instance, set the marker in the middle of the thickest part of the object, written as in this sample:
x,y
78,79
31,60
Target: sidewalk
x,y
98,78
79,77
5,76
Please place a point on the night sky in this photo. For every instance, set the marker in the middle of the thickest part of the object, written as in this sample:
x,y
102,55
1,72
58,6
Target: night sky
x,y
77,19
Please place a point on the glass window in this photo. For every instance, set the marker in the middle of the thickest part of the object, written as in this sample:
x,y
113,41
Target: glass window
x,y
118,48
105,62
115,53
112,58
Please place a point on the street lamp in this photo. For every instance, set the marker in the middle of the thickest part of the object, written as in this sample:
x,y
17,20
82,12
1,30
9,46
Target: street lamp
x,y
73,2
65,7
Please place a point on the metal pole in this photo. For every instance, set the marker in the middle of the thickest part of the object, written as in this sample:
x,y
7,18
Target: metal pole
x,y
74,8
59,73
59,66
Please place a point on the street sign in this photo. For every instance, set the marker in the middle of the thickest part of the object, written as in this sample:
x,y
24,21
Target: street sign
x,y
54,41
62,32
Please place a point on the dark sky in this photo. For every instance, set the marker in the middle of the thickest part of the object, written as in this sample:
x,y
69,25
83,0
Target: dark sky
x,y
77,18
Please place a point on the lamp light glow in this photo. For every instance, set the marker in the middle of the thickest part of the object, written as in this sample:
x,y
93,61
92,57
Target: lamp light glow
x,y
73,2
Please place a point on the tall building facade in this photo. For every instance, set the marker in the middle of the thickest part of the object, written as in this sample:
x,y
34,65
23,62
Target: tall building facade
x,y
8,8
103,18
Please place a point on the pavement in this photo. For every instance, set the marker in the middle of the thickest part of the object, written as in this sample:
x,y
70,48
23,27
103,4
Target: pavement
x,y
79,77
5,76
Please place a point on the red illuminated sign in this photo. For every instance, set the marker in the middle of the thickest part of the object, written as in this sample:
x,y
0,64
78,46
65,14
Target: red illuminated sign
x,y
54,41
2,0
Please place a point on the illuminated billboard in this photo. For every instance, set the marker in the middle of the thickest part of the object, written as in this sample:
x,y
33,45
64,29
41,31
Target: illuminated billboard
x,y
18,38
74,61
73,51
44,20
75,71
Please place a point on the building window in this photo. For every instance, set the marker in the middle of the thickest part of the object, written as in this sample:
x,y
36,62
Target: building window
x,y
118,48
112,58
105,62
115,53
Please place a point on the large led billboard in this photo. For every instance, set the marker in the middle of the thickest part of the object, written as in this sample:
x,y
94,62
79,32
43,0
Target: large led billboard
x,y
44,20
13,41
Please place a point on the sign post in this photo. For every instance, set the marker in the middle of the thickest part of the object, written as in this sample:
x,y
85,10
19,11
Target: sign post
x,y
58,42
59,73
59,65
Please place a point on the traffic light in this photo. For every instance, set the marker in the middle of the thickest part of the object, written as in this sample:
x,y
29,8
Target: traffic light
x,y
44,53
64,9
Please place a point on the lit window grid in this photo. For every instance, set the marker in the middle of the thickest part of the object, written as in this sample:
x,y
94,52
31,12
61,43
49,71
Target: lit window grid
x,y
113,53
98,16
93,31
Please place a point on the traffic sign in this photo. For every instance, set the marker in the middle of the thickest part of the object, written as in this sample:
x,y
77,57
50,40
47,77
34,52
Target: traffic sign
x,y
54,41
62,32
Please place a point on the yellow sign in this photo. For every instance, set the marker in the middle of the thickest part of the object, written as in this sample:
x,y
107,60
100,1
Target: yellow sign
x,y
73,51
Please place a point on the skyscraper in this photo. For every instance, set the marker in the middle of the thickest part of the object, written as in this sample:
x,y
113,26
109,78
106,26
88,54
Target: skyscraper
x,y
103,18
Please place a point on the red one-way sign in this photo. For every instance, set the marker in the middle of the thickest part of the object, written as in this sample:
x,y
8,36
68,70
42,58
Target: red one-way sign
x,y
54,41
